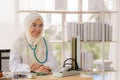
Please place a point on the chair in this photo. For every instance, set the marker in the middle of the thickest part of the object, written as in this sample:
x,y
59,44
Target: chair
x,y
2,51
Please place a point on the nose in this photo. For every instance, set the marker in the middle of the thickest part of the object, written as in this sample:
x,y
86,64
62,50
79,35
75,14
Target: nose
x,y
37,28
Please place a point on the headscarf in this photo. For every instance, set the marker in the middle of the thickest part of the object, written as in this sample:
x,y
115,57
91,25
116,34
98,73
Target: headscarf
x,y
28,54
28,21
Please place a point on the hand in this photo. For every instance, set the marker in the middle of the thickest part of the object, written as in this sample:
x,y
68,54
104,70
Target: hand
x,y
34,66
45,69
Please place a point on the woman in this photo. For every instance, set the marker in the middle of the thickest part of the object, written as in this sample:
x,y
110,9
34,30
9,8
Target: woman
x,y
31,51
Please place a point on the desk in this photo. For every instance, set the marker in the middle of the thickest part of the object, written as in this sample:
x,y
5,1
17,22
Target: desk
x,y
3,51
50,77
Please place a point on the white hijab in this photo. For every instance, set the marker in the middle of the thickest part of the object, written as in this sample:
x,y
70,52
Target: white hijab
x,y
28,21
28,54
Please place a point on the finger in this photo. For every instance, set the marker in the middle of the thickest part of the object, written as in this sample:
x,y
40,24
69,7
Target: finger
x,y
42,69
34,66
37,65
47,67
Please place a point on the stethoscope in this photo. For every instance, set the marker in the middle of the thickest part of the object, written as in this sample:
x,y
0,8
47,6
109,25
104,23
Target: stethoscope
x,y
34,49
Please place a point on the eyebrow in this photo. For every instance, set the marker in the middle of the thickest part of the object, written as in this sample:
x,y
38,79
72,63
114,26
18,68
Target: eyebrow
x,y
36,23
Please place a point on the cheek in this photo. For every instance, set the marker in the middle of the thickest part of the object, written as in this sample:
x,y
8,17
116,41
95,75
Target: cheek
x,y
31,31
41,30
35,33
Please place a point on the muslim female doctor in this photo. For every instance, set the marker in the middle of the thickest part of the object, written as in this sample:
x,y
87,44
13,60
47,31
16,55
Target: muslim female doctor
x,y
31,51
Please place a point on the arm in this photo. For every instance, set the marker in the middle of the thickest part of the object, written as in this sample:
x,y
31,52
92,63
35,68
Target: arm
x,y
15,62
52,61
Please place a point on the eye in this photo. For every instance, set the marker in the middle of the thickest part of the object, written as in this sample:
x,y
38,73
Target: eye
x,y
34,25
41,25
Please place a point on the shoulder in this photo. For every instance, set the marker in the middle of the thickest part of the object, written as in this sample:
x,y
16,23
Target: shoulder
x,y
19,40
46,40
48,43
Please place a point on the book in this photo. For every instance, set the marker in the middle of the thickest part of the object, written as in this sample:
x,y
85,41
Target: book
x,y
106,62
78,52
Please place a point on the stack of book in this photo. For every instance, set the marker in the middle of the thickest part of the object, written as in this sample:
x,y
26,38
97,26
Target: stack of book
x,y
106,66
87,61
84,59
88,31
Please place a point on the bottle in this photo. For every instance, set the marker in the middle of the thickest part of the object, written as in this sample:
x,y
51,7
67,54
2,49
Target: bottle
x,y
1,74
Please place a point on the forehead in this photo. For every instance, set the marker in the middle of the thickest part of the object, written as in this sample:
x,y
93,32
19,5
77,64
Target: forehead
x,y
37,21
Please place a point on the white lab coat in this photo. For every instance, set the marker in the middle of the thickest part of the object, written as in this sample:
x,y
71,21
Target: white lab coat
x,y
21,57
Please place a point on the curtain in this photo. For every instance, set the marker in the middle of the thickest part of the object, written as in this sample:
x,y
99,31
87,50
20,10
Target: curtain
x,y
7,23
115,47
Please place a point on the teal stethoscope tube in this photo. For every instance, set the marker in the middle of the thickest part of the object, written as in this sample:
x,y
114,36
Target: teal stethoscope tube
x,y
34,49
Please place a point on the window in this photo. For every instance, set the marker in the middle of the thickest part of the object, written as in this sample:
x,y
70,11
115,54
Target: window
x,y
54,29
53,22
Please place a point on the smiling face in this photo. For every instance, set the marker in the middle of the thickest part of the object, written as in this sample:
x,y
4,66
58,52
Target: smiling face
x,y
36,28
